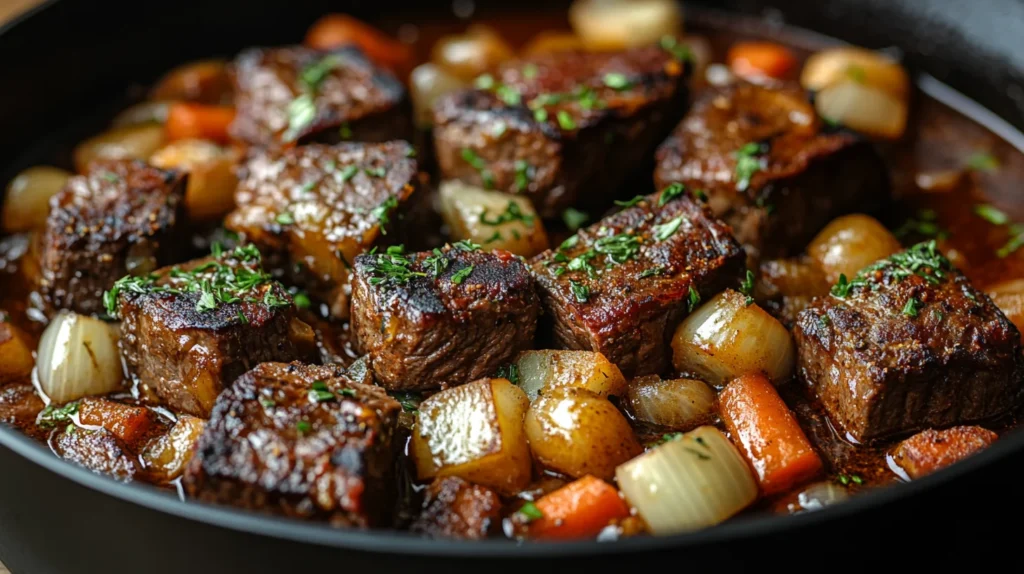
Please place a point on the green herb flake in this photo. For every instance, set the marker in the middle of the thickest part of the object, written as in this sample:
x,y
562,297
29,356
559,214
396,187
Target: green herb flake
x,y
302,300
509,95
348,173
924,260
669,193
912,307
375,171
466,245
314,74
530,512
499,129
679,50
345,131
484,82
924,223
856,479
508,371
618,248
693,299
476,162
53,414
267,402
540,114
617,81
843,479
382,213
666,230
513,212
824,320
747,286
991,214
530,71
523,171
392,268
748,162
569,243
982,161
668,437
303,427
301,113
285,218
459,276
111,177
574,218
579,291
410,401
320,393
565,121
436,262
636,199
347,392
651,272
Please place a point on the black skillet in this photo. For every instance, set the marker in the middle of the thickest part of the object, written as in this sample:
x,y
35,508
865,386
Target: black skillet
x,y
65,66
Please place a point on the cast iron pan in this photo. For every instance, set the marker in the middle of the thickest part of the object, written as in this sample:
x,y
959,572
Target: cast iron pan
x,y
64,68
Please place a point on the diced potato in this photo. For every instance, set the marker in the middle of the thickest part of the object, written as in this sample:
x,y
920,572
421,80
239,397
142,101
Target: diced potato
x,y
578,432
212,180
849,244
16,360
473,53
475,431
27,202
493,219
427,83
543,371
129,423
168,454
132,142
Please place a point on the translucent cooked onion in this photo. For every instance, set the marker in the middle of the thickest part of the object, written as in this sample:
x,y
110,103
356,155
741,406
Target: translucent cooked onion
x,y
679,404
27,201
78,357
840,65
167,455
212,180
1009,297
468,55
849,244
688,483
493,219
725,338
427,83
617,24
862,108
544,371
152,112
133,142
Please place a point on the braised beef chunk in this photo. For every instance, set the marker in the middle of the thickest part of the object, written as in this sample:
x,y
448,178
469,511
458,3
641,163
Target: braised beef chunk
x,y
565,128
454,508
19,404
932,450
188,331
97,450
291,94
906,345
313,209
622,285
441,318
770,170
303,441
123,217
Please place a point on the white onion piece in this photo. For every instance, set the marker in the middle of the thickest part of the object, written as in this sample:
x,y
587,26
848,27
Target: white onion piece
x,y
131,142
78,357
427,83
692,482
680,404
468,55
725,338
27,202
618,24
838,65
850,243
864,109
543,371
1009,297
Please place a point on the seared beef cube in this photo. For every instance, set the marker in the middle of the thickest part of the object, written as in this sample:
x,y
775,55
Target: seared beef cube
x,y
441,318
97,450
932,450
769,167
622,285
290,94
313,209
454,508
188,331
19,404
909,344
304,441
564,128
124,217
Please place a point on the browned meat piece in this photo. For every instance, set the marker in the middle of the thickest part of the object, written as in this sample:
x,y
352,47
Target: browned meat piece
x,y
313,209
19,404
622,285
442,318
770,168
304,441
188,331
124,217
932,450
290,94
564,128
454,508
909,344
97,450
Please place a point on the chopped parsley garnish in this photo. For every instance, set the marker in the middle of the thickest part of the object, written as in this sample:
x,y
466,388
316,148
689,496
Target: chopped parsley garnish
x,y
636,199
579,291
569,243
923,260
509,371
748,163
652,271
302,300
285,218
466,245
347,392
923,223
320,393
303,427
747,286
410,401
666,230
617,81
478,163
345,131
693,300
301,113
52,414
982,161
348,173
383,211
267,402
574,218
700,194
565,121
679,50
991,214
668,437
496,236
314,74
618,248
846,480
912,307
669,193
484,82
375,171
498,129
1015,242
459,276
436,263
522,175
509,95
530,71
530,512
392,267
824,320
513,212
111,177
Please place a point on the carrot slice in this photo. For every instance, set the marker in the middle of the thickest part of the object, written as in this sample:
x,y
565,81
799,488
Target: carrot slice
x,y
128,423
760,59
336,30
768,434
198,121
580,509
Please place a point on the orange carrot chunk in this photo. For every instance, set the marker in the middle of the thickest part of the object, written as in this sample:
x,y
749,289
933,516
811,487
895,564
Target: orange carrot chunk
x,y
198,121
337,30
768,434
129,423
752,59
580,509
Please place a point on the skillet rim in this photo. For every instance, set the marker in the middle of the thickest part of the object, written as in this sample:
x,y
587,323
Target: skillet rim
x,y
410,545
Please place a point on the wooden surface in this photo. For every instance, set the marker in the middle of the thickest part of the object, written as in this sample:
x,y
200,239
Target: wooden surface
x,y
9,9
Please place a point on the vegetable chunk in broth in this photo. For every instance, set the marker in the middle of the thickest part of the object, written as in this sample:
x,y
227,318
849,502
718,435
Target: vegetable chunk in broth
x,y
623,271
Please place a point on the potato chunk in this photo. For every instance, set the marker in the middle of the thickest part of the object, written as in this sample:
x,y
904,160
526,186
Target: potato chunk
x,y
475,432
543,371
167,455
493,219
